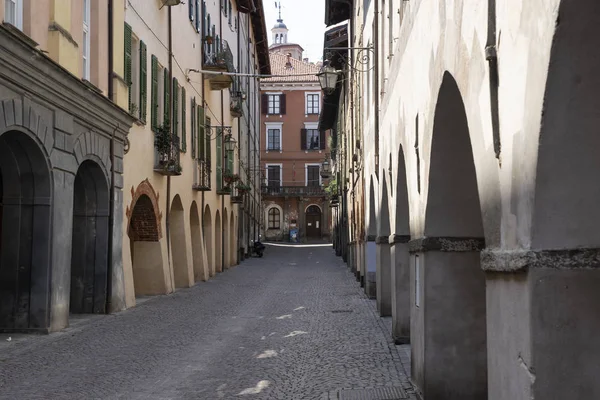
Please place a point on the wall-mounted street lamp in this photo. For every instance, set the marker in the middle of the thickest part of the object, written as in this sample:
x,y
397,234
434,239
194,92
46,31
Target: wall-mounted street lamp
x,y
229,142
325,169
328,77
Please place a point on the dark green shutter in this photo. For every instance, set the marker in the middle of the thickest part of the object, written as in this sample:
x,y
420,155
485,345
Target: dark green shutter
x,y
193,126
176,113
143,81
183,117
166,100
207,148
154,94
128,58
219,158
197,15
201,134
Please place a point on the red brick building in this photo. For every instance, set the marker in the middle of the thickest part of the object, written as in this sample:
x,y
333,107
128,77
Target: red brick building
x,y
292,148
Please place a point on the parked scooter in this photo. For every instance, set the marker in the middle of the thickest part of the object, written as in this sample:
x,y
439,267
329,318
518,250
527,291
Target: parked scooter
x,y
258,248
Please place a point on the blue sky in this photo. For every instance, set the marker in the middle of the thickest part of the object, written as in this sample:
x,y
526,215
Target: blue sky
x,y
304,19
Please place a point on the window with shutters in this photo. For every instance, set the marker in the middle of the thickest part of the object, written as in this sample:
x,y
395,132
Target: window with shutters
x,y
191,9
313,103
207,141
313,176
128,64
176,116
196,13
313,139
219,140
274,218
162,88
166,99
274,104
13,13
85,51
184,121
230,14
193,129
143,81
154,93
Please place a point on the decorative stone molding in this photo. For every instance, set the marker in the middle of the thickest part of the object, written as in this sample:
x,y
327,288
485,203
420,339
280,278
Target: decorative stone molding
x,y
446,244
394,239
521,260
153,230
13,114
91,146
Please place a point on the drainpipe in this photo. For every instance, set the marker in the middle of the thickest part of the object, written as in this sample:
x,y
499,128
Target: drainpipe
x,y
223,151
168,199
492,58
376,83
111,225
204,29
110,50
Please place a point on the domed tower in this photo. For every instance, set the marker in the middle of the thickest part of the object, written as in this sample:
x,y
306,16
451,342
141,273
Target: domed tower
x,y
279,39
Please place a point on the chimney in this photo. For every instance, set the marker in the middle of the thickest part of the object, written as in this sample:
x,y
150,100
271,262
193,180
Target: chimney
x,y
288,63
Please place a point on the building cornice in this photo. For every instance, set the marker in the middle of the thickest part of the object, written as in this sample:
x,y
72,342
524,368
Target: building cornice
x,y
36,74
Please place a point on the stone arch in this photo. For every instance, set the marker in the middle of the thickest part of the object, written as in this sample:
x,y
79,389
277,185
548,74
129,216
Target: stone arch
x,y
449,305
400,260
218,244
226,242
199,258
372,224
313,205
178,238
91,146
146,189
26,200
209,240
562,269
383,219
273,234
384,266
144,231
313,217
89,251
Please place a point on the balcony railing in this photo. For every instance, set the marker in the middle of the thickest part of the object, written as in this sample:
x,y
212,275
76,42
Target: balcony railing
x,y
219,58
202,177
294,191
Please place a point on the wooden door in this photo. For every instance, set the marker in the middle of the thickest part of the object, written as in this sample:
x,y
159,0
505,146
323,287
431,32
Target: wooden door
x,y
313,222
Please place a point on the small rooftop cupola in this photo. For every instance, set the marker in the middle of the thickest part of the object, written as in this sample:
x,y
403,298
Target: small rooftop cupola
x,y
280,30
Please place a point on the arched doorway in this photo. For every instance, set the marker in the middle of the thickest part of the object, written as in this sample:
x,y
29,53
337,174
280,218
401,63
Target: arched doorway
x,y
384,267
448,331
149,276
181,270
218,243
313,222
208,240
200,270
89,252
232,240
25,241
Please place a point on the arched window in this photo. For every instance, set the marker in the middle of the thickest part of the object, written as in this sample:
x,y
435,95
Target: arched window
x,y
274,218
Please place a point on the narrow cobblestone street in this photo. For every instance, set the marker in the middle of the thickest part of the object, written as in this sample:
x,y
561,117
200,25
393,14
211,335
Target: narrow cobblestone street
x,y
292,325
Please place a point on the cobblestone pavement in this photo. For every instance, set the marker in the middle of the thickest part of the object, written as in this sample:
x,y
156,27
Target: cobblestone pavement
x,y
292,325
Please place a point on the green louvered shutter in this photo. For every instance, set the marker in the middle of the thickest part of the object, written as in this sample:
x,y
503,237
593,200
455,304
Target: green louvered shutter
x,y
176,112
183,118
201,134
128,59
166,100
219,158
143,80
154,94
193,126
207,148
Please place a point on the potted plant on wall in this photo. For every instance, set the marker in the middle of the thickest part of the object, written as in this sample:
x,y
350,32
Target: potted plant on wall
x,y
230,178
162,142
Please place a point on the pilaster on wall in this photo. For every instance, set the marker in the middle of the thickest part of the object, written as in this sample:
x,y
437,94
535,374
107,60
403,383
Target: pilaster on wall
x,y
62,47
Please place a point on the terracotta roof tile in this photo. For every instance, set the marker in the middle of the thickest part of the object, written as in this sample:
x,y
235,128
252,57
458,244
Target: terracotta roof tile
x,y
278,67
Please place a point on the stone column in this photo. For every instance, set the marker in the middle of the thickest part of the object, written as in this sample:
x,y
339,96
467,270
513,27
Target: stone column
x,y
371,267
400,260
384,277
448,318
543,317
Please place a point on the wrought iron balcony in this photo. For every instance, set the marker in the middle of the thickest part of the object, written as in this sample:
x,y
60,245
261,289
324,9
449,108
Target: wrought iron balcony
x,y
219,58
167,152
202,176
294,191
